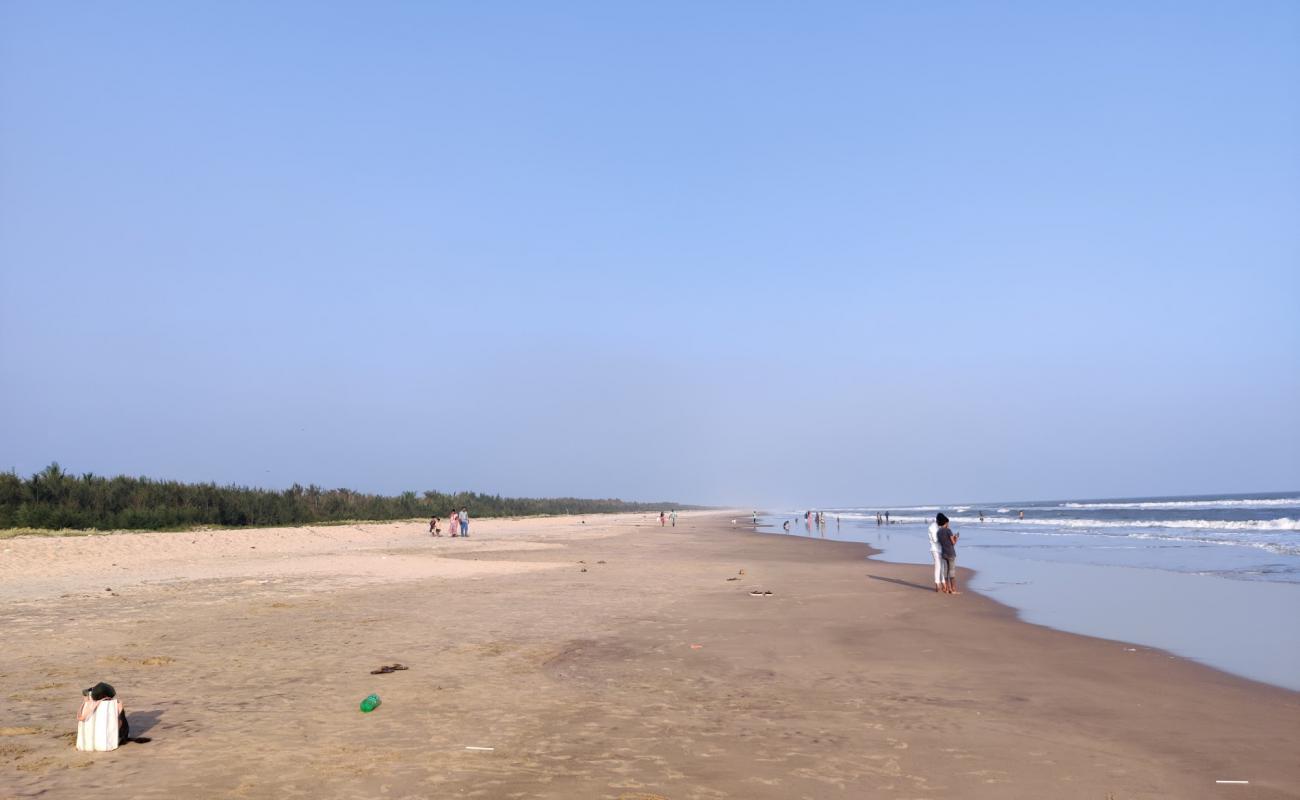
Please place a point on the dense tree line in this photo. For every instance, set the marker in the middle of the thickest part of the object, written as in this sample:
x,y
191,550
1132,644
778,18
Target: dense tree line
x,y
54,499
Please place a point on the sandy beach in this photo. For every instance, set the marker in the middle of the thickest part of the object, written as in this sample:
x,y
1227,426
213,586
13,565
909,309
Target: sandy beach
x,y
603,657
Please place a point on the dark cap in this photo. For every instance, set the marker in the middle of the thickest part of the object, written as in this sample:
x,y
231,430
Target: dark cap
x,y
940,518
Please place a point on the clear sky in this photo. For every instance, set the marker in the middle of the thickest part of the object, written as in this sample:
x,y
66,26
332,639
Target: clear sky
x,y
812,253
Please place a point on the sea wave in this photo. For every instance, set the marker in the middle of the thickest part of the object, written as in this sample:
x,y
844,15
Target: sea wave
x,y
1263,502
1278,524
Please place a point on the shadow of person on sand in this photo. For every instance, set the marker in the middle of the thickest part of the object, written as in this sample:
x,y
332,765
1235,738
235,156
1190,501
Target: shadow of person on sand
x,y
902,583
143,721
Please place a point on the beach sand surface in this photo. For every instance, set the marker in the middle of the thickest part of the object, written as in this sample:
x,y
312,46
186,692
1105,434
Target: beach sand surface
x,y
596,657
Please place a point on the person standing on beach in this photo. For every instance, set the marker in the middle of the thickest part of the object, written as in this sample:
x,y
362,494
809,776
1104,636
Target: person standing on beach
x,y
886,517
453,522
673,517
948,545
464,523
661,519
936,553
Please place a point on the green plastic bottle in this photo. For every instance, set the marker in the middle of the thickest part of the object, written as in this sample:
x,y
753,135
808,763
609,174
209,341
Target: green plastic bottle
x,y
370,703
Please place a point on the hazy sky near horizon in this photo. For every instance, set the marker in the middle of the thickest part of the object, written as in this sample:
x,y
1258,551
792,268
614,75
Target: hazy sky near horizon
x,y
757,253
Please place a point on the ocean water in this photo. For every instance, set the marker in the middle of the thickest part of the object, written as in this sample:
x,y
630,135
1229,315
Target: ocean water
x,y
1212,578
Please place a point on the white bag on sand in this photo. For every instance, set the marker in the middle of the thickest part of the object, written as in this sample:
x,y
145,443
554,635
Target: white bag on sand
x,y
99,731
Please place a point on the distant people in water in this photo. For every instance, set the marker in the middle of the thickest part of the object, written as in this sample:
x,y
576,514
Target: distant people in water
x,y
1022,515
786,526
886,517
755,517
880,519
981,516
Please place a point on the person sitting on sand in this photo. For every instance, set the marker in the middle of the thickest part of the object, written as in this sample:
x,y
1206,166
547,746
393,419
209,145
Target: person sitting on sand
x,y
433,527
95,695
948,544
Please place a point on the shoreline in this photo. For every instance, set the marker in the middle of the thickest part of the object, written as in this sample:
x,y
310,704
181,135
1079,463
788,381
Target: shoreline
x,y
1208,619
970,577
615,661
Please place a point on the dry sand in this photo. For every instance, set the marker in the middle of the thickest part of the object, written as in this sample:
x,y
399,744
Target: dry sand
x,y
243,654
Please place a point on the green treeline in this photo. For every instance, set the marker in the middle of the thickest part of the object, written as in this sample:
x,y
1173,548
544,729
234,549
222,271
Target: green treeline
x,y
54,499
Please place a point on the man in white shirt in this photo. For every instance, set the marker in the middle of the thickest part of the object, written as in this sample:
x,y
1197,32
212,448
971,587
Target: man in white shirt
x,y
940,574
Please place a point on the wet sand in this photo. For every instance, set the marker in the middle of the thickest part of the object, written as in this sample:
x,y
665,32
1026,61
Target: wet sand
x,y
243,654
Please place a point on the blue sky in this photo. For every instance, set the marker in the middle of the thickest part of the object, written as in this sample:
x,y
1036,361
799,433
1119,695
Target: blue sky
x,y
823,253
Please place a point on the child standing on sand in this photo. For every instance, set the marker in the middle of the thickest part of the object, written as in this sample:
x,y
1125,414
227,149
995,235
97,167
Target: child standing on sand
x,y
948,545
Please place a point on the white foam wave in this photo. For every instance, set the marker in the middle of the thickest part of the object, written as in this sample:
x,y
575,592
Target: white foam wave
x,y
1263,502
1279,524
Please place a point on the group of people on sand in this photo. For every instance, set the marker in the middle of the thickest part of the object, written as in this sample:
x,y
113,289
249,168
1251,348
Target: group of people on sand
x,y
455,520
665,517
943,548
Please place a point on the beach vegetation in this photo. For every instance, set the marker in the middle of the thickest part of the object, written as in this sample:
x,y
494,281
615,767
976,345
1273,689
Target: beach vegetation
x,y
55,500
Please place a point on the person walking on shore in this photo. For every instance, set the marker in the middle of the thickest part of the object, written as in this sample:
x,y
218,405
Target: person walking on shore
x,y
661,519
453,523
464,523
673,517
948,545
936,553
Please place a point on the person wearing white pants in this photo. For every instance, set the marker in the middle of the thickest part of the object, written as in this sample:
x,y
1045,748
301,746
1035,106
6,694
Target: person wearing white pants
x,y
940,573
